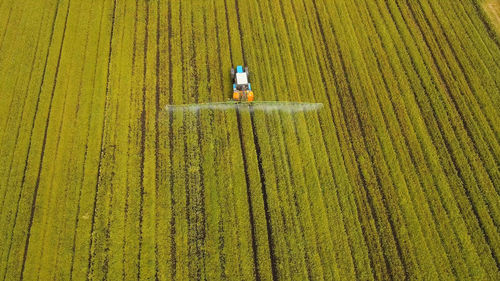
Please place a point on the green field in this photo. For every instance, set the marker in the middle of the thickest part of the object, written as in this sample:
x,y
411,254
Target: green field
x,y
396,177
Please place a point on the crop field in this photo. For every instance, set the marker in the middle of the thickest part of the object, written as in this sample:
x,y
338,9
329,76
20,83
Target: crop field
x,y
396,177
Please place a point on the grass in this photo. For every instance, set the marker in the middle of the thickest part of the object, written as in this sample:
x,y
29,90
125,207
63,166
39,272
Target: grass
x,y
395,177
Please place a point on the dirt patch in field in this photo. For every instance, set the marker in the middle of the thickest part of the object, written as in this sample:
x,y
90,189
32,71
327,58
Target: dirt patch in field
x,y
492,8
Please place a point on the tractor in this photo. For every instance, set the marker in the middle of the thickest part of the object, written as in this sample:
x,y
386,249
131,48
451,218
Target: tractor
x,y
242,90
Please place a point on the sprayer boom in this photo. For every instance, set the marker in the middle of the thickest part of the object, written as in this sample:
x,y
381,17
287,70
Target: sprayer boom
x,y
266,106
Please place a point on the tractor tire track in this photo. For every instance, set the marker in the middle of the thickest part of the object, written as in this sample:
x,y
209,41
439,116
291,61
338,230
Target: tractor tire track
x,y
157,130
446,142
198,205
330,165
310,255
26,94
244,157
455,107
171,145
202,175
6,25
261,173
30,134
363,144
221,226
44,142
438,133
24,97
363,126
450,150
86,158
249,201
143,136
102,142
407,142
445,139
349,134
270,240
77,199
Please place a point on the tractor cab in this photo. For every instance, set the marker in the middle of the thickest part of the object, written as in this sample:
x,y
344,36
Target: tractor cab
x,y
242,90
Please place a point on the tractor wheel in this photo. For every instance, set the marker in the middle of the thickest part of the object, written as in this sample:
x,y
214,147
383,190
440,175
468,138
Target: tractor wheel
x,y
232,73
246,70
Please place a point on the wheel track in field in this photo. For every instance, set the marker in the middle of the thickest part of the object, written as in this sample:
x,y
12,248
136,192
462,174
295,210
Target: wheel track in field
x,y
449,149
474,32
220,225
6,25
464,124
323,137
21,115
477,117
418,103
37,184
15,70
245,163
309,258
376,174
441,135
187,57
405,262
77,218
113,161
465,29
98,176
455,107
360,173
30,134
401,175
189,85
221,222
460,142
249,201
157,130
407,145
171,144
199,191
34,116
183,137
143,137
373,152
325,206
4,128
202,176
274,269
394,130
127,192
380,150
350,148
356,270
65,229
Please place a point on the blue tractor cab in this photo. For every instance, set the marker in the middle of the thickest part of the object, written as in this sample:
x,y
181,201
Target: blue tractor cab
x,y
242,89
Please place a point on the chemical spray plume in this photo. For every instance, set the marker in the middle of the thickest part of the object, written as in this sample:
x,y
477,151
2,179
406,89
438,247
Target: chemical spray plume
x,y
266,106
